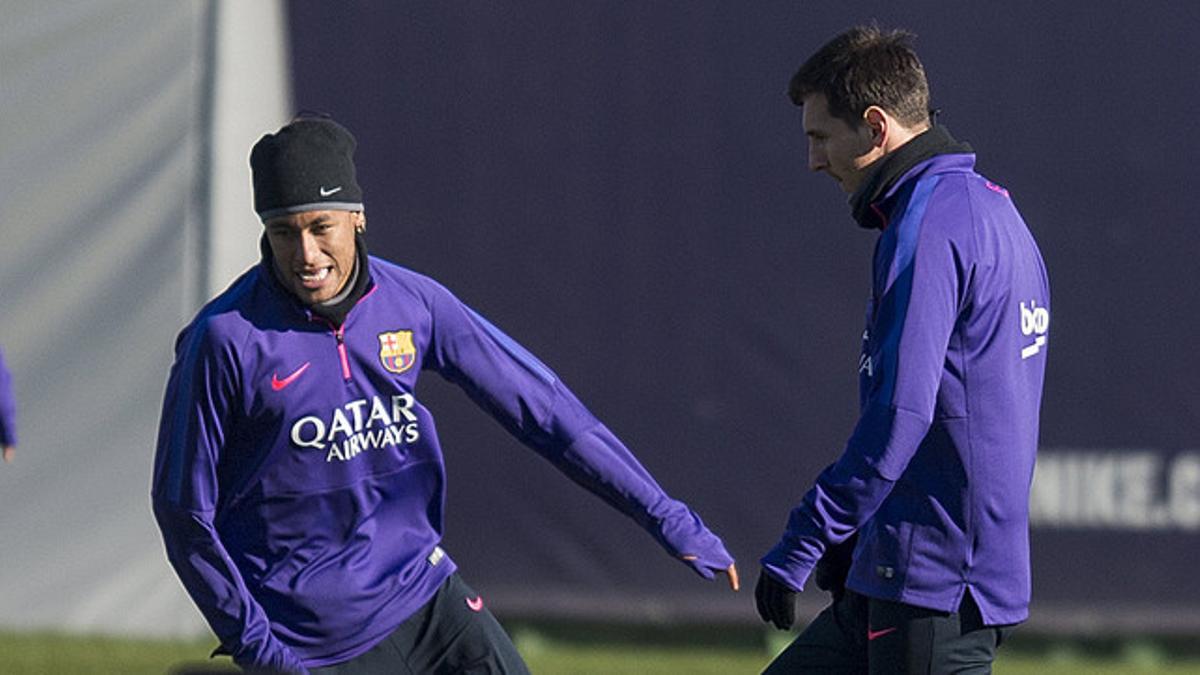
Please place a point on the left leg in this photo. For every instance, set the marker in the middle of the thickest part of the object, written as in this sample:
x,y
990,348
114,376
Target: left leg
x,y
453,634
467,641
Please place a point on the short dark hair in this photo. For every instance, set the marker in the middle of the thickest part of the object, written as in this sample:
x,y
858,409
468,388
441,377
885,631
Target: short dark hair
x,y
862,67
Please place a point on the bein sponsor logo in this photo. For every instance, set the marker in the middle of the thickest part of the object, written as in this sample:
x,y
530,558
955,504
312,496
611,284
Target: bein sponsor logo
x,y
1035,322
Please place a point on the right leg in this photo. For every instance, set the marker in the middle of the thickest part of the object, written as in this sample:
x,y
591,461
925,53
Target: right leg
x,y
909,639
833,644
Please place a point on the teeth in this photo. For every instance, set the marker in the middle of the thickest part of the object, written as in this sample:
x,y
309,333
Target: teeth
x,y
319,275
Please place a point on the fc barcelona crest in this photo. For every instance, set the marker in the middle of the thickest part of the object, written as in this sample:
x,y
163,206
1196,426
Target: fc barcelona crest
x,y
397,351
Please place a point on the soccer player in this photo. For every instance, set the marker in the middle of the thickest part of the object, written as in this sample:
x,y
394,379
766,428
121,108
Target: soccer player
x,y
8,414
928,505
299,482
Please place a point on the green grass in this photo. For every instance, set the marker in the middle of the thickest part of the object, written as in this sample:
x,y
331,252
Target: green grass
x,y
577,650
55,654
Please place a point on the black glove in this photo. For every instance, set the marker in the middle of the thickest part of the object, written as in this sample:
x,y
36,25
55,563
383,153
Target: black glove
x,y
832,568
776,600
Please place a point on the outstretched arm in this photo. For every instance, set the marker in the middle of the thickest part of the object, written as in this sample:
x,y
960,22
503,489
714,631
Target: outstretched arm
x,y
529,400
598,461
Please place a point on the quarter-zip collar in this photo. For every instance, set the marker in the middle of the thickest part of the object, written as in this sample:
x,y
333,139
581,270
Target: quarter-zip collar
x,y
888,170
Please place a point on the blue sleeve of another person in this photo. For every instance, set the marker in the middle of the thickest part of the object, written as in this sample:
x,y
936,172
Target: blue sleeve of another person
x,y
8,407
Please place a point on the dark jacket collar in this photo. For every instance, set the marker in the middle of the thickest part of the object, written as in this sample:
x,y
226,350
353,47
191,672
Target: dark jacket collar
x,y
930,143
334,314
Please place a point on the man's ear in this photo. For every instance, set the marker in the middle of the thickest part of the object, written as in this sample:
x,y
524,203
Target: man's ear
x,y
879,124
360,222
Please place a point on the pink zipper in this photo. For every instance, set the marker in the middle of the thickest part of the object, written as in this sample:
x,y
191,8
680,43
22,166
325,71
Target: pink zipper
x,y
341,344
339,334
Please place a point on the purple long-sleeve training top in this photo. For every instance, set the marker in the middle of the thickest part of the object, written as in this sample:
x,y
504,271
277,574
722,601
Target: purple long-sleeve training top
x,y
936,474
299,483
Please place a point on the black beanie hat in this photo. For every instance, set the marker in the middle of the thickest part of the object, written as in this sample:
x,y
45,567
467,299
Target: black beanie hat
x,y
308,165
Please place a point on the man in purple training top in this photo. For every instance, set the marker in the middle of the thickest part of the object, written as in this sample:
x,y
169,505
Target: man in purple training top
x,y
8,414
933,484
298,481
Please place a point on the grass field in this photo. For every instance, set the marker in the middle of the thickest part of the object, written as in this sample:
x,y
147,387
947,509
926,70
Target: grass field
x,y
553,652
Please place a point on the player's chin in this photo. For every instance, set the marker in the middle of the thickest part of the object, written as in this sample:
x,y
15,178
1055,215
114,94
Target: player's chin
x,y
310,296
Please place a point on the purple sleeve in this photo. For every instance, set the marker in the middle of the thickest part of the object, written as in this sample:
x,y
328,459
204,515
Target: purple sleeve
x,y
199,402
529,400
8,407
922,278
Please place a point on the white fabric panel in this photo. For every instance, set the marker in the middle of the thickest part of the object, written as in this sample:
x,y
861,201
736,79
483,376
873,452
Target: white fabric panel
x,y
102,124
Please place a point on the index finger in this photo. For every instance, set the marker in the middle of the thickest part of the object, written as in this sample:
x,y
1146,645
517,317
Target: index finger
x,y
731,571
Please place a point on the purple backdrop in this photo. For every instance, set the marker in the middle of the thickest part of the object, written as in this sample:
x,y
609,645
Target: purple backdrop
x,y
621,186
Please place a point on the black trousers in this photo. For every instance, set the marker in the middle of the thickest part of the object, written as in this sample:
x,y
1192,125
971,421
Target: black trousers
x,y
452,634
857,634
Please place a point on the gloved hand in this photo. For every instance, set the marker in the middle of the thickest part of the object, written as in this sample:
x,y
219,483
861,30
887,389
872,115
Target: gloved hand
x,y
832,568
776,600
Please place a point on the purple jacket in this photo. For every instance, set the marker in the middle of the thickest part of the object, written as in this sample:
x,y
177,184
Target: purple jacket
x,y
936,474
8,407
299,483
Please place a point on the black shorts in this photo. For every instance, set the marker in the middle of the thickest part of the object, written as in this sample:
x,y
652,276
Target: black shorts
x,y
865,635
452,634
